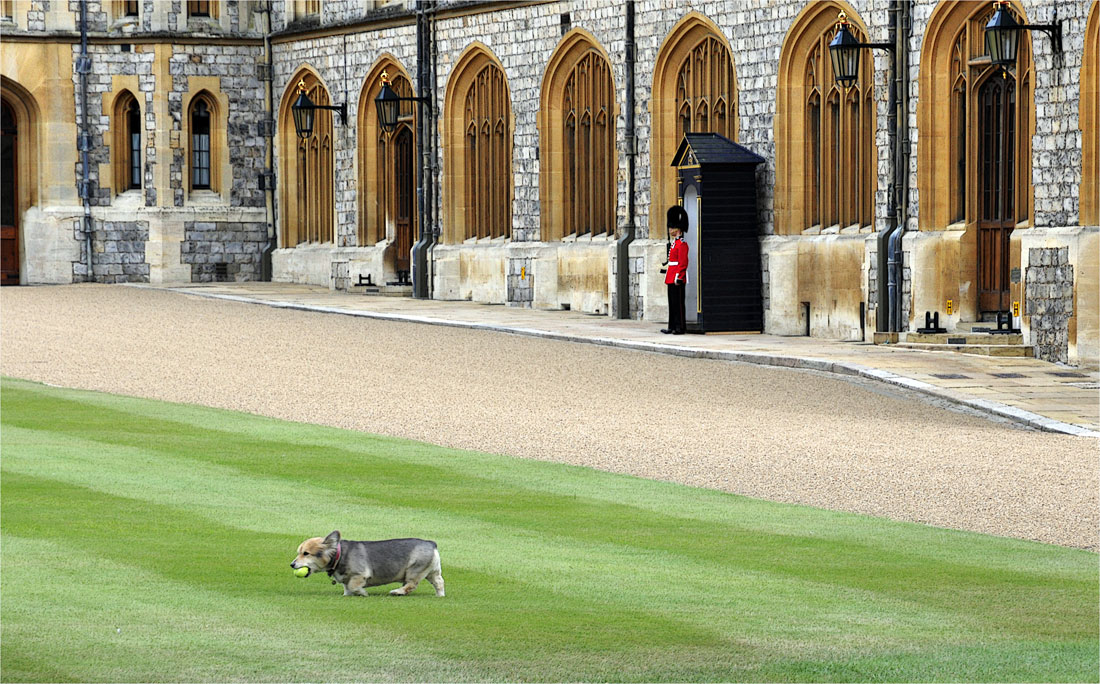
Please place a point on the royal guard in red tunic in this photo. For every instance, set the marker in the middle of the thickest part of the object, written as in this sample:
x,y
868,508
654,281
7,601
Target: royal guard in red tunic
x,y
676,273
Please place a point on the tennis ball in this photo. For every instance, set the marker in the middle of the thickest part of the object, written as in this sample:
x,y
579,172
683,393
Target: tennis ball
x,y
301,572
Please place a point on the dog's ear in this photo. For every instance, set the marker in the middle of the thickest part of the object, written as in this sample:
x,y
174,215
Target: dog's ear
x,y
333,538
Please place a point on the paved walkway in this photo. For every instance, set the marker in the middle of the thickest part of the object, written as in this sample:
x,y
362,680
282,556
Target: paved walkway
x,y
1037,393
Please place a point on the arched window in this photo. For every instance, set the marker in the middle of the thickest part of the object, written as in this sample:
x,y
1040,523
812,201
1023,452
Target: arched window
x,y
826,160
1090,121
577,140
200,145
133,135
694,89
387,163
126,143
307,192
478,131
964,101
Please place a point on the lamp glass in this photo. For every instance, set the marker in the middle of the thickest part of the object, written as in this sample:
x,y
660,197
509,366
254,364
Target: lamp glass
x,y
303,109
844,51
388,104
1002,35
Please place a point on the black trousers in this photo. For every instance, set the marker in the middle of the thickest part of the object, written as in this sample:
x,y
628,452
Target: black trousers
x,y
676,313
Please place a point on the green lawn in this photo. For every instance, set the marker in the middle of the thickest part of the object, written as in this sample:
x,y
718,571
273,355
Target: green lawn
x,y
145,541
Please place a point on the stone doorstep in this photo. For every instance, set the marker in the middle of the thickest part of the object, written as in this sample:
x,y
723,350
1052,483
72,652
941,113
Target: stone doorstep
x,y
1017,350
967,338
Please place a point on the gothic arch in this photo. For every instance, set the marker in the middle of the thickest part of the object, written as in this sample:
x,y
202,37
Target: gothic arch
x,y
953,66
695,55
21,180
25,109
220,171
1090,121
307,187
579,158
826,157
477,148
375,154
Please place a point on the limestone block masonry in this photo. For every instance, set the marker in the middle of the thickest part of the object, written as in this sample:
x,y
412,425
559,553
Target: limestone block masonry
x,y
1050,301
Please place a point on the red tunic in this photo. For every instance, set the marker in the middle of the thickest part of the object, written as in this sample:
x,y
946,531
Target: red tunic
x,y
677,263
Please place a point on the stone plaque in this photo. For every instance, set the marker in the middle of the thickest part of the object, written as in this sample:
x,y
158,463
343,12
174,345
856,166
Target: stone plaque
x,y
1014,274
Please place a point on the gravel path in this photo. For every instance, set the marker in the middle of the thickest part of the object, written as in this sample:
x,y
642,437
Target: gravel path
x,y
777,434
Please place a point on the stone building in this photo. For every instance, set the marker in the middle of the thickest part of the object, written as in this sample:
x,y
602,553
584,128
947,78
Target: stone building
x,y
154,140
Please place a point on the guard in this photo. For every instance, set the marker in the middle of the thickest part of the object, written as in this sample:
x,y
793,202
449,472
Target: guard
x,y
676,273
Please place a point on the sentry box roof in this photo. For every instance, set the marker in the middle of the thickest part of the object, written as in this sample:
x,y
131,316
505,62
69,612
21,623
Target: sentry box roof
x,y
697,149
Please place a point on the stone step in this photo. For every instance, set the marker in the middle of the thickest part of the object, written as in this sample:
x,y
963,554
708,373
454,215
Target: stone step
x,y
1018,350
962,337
382,290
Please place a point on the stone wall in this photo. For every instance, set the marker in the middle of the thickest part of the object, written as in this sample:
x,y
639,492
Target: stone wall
x,y
223,251
521,282
119,252
235,67
1049,301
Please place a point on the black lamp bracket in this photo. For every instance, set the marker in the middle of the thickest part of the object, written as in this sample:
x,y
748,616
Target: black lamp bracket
x,y
342,109
426,101
889,47
1053,29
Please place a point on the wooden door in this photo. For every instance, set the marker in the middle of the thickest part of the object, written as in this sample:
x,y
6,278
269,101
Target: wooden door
x,y
9,199
404,181
996,191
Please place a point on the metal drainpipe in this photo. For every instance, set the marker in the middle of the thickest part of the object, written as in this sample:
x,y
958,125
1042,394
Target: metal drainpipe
x,y
433,162
269,154
904,28
84,65
887,273
622,247
423,136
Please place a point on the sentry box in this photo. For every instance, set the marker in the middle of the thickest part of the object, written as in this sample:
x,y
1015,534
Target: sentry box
x,y
717,187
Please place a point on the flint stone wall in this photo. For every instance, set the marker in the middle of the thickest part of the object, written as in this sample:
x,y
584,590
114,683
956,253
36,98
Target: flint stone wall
x,y
1049,301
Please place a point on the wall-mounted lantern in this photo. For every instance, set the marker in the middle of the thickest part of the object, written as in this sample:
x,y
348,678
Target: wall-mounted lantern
x,y
844,50
1002,35
388,104
303,109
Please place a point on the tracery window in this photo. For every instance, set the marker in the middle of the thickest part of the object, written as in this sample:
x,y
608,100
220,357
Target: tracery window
x,y
971,74
957,115
200,145
487,156
826,158
694,89
840,163
308,190
705,91
385,183
589,137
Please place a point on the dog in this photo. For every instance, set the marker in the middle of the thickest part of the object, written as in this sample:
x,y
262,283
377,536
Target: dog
x,y
361,564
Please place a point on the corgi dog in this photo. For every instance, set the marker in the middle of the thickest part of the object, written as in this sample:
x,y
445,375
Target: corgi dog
x,y
361,564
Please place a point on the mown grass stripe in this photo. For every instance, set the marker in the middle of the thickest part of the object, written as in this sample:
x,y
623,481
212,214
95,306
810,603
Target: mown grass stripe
x,y
564,574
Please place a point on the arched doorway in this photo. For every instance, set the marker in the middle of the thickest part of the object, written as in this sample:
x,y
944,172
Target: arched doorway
x,y
9,197
996,194
404,181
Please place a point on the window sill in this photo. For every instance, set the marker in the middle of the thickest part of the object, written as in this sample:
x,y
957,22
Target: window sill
x,y
204,198
598,238
133,197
